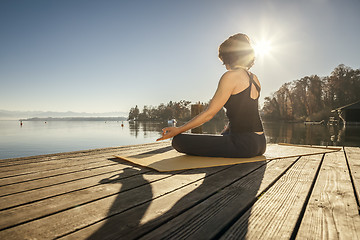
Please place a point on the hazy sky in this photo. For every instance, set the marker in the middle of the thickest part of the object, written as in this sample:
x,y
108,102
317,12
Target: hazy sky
x,y
100,56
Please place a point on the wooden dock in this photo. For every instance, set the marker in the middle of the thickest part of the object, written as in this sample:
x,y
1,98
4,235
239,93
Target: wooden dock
x,y
92,195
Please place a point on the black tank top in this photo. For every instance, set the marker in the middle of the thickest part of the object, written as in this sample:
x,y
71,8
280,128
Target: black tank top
x,y
243,111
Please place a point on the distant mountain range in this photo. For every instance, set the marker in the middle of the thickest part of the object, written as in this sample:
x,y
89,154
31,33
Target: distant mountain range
x,y
16,115
47,119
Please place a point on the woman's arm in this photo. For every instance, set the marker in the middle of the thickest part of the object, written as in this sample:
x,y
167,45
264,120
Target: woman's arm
x,y
224,90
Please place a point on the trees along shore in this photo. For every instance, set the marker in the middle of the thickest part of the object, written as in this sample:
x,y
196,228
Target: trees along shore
x,y
172,110
312,98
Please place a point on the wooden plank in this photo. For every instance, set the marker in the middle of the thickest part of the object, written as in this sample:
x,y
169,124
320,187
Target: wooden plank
x,y
86,164
52,180
28,174
353,159
53,164
331,212
42,181
83,153
275,213
60,203
79,215
93,179
130,226
54,172
205,220
57,186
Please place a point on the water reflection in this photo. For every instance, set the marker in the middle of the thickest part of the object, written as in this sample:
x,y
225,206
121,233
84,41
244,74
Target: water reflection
x,y
299,133
276,132
147,129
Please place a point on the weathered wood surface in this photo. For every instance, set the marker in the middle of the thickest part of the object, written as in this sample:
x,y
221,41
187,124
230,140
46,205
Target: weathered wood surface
x,y
276,212
353,161
91,195
332,210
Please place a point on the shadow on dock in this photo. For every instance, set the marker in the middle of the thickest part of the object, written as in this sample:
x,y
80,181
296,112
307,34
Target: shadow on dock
x,y
127,224
104,231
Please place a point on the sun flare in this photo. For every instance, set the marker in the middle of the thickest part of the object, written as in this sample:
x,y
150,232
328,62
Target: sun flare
x,y
262,48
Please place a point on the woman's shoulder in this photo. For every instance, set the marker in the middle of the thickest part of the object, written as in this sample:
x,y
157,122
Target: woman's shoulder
x,y
237,80
235,73
238,75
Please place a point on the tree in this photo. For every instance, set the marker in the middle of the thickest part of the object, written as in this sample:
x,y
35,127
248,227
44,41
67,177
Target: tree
x,y
312,97
133,113
343,86
178,110
271,108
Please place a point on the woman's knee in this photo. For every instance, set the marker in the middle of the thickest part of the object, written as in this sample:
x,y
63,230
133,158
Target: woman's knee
x,y
262,145
177,142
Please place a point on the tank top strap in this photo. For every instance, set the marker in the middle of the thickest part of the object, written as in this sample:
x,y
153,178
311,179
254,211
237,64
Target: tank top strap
x,y
252,81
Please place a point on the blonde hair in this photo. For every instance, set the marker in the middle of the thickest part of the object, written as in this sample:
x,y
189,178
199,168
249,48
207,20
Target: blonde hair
x,y
237,51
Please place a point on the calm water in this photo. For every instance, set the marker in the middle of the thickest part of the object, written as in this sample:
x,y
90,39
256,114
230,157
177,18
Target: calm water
x,y
34,138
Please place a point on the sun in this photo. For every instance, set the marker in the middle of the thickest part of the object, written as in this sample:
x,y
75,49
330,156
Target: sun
x,y
262,48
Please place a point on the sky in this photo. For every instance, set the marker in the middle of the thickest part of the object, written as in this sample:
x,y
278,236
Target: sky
x,y
105,56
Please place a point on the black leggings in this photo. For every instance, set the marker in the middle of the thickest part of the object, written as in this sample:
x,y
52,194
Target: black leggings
x,y
230,145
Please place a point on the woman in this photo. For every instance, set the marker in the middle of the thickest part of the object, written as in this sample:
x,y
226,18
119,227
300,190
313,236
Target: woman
x,y
238,91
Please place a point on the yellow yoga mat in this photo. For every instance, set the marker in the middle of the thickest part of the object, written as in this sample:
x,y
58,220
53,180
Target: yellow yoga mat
x,y
173,160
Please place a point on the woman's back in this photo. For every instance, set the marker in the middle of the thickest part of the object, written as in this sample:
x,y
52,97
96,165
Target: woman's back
x,y
242,108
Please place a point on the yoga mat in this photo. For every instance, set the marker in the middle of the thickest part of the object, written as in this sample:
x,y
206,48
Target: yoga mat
x,y
173,160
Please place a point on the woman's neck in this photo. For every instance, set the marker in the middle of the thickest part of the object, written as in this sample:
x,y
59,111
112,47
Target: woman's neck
x,y
237,67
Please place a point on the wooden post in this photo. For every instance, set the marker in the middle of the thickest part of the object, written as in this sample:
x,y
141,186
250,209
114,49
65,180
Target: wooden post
x,y
195,110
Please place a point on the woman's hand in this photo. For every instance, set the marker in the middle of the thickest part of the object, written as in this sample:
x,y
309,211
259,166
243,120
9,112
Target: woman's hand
x,y
169,132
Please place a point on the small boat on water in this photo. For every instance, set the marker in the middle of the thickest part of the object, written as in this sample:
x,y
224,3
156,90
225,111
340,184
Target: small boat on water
x,y
314,122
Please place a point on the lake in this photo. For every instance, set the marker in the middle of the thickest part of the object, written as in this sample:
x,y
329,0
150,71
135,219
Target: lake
x,y
38,137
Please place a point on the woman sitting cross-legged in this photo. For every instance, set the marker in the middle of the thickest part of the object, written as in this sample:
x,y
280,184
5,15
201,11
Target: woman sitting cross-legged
x,y
238,91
